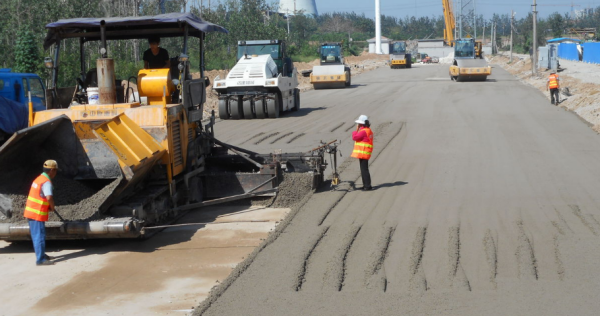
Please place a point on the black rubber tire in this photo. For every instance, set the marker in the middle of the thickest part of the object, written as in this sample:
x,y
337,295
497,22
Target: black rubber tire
x,y
249,109
273,107
296,100
349,78
223,111
235,108
259,109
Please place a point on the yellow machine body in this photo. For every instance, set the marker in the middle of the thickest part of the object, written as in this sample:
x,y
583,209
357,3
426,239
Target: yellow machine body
x,y
470,73
337,78
154,84
398,62
134,127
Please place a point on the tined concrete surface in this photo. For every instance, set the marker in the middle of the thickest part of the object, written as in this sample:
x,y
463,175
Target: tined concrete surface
x,y
485,203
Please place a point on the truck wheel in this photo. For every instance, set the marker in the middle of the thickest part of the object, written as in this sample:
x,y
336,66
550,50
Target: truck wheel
x,y
248,109
223,112
235,108
273,107
259,108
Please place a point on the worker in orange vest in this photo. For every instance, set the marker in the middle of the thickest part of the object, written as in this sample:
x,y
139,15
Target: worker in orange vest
x,y
39,203
553,86
363,148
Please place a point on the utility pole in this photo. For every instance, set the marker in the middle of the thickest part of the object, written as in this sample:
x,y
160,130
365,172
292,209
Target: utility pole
x,y
377,28
534,53
483,39
494,30
460,18
288,20
475,18
512,19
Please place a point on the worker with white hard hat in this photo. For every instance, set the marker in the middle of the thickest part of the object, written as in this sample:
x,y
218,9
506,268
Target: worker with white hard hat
x,y
39,203
363,148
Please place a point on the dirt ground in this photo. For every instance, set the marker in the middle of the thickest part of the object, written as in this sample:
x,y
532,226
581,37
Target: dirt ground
x,y
581,79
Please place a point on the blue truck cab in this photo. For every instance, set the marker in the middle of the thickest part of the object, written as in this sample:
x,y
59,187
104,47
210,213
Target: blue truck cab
x,y
15,86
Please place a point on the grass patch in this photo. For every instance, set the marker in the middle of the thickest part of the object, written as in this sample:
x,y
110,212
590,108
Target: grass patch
x,y
303,59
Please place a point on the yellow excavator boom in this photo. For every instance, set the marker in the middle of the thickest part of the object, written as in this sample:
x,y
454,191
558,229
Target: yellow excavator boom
x,y
449,22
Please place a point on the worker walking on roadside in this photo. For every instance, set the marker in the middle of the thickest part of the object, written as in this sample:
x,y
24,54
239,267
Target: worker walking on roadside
x,y
363,148
39,203
553,86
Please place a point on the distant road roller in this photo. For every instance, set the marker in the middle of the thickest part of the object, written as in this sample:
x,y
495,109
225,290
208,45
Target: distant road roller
x,y
466,66
332,72
261,85
398,56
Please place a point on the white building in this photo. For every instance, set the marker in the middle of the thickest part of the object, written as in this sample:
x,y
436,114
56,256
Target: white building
x,y
385,45
291,7
434,47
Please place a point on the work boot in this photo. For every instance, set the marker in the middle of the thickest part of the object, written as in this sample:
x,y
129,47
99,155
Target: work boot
x,y
47,257
45,263
367,188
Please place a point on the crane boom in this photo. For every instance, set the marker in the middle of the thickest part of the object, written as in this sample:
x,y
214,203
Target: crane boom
x,y
449,22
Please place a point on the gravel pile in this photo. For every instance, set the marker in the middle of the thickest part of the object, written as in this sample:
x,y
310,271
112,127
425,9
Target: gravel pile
x,y
293,189
74,200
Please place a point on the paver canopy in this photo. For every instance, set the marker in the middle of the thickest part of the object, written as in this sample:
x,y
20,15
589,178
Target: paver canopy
x,y
163,25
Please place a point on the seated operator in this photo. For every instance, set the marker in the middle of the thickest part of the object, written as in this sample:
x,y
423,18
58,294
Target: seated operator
x,y
156,56
331,56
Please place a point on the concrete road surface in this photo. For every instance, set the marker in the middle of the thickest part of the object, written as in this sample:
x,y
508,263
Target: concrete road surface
x,y
167,274
486,203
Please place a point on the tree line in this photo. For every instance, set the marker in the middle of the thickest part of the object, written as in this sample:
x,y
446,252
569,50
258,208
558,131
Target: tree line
x,y
22,30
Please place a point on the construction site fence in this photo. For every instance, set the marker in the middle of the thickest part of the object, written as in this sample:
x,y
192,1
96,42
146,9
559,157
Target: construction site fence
x,y
591,53
568,51
588,52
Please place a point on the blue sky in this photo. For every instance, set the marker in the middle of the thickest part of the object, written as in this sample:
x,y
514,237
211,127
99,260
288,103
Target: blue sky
x,y
402,8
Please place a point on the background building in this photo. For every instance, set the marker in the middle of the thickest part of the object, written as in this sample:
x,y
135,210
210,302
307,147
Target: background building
x,y
308,7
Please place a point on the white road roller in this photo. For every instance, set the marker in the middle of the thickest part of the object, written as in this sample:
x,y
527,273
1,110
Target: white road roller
x,y
261,85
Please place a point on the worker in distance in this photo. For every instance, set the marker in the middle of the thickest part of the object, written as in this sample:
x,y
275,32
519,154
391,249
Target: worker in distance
x,y
39,203
553,86
363,148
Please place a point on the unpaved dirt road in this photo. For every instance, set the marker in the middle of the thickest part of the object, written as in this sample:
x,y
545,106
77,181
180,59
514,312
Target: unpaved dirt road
x,y
485,204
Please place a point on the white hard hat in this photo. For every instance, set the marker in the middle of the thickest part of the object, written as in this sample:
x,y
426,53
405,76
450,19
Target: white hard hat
x,y
362,119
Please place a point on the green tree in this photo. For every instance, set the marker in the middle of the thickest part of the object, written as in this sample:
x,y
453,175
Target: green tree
x,y
556,22
27,57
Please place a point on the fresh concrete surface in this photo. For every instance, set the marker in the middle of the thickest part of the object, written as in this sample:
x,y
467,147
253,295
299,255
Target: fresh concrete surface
x,y
485,204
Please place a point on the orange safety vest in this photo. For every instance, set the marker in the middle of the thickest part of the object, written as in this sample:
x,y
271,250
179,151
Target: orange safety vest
x,y
363,150
553,82
37,207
